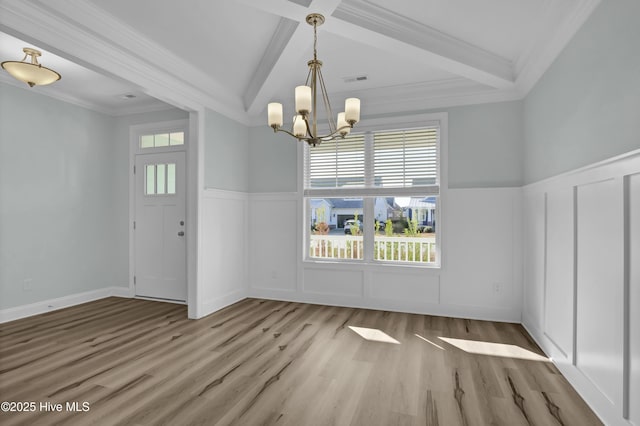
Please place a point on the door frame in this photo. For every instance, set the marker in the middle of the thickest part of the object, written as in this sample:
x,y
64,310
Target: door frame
x,y
135,131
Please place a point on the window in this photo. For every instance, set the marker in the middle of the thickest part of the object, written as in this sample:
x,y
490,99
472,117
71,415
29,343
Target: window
x,y
159,140
374,197
160,179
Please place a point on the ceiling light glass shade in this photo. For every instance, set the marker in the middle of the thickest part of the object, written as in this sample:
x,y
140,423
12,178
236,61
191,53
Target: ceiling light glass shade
x,y
32,72
307,102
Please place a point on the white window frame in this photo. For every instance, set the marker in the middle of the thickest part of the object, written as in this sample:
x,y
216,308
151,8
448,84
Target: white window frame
x,y
368,194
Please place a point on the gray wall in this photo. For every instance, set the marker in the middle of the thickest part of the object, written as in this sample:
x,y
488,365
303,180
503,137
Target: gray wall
x,y
57,204
226,152
485,150
64,196
273,161
486,145
586,107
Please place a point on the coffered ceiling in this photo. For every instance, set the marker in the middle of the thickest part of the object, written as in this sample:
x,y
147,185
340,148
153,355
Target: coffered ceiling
x,y
235,56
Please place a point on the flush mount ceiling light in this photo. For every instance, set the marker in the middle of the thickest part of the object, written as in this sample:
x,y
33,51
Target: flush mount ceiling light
x,y
305,122
32,72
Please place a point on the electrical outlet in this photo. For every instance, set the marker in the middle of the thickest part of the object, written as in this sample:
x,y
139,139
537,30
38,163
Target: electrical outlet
x,y
497,288
27,284
274,274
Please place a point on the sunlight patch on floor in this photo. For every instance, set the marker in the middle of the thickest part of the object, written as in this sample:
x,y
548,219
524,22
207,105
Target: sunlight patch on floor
x,y
428,341
494,349
374,335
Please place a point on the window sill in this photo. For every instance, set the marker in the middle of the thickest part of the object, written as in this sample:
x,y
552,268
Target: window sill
x,y
361,264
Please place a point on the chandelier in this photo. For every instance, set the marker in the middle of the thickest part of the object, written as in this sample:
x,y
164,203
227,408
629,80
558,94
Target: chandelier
x,y
305,122
31,72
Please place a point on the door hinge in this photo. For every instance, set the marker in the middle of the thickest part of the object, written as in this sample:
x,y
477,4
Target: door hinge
x,y
134,224
134,170
134,280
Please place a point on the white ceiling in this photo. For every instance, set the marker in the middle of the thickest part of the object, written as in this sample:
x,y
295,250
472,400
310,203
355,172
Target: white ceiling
x,y
80,85
235,56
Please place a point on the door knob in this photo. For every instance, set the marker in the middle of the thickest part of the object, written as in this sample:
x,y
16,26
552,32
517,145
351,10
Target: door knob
x,y
181,234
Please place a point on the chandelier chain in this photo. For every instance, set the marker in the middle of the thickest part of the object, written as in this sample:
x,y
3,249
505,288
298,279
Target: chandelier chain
x,y
315,41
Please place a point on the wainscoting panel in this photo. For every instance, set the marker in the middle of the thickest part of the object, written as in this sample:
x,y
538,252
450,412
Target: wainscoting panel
x,y
633,235
558,292
600,267
481,276
334,282
481,244
272,226
405,287
223,244
591,253
534,211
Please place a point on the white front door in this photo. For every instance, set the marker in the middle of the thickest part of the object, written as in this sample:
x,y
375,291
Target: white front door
x,y
160,240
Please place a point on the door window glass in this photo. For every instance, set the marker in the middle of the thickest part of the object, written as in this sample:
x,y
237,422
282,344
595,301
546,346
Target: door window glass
x,y
160,179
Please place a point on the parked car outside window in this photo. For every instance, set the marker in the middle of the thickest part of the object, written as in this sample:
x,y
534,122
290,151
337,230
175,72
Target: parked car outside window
x,y
352,223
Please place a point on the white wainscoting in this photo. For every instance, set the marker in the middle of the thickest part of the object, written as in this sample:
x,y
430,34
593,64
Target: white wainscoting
x,y
582,281
633,297
273,229
223,259
482,244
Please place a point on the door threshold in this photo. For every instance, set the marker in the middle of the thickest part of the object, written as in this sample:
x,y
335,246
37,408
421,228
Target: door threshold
x,y
160,299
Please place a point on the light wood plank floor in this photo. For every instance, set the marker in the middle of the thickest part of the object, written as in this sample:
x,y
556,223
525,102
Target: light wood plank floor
x,y
138,362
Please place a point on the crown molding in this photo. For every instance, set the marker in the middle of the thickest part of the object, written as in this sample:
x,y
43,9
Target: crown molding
x,y
84,33
536,60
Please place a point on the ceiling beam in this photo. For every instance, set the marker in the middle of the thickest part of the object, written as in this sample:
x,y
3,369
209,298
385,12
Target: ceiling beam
x,y
281,56
372,25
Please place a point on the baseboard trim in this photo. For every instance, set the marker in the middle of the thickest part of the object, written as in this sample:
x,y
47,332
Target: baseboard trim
x,y
213,305
18,312
457,311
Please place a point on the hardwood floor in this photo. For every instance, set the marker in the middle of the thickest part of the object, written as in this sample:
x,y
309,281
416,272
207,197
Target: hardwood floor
x,y
138,362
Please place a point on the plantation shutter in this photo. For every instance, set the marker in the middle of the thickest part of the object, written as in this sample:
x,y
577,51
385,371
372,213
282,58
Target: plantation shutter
x,y
405,158
336,164
373,164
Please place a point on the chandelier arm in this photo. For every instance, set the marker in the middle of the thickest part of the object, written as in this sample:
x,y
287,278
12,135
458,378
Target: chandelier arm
x,y
306,83
309,132
314,93
334,135
279,129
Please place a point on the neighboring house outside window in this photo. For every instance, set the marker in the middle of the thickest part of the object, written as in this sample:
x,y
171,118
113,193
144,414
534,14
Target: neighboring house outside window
x,y
374,197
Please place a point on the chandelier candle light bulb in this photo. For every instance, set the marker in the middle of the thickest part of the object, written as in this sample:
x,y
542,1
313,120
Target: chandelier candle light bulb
x,y
303,100
343,126
299,126
352,110
275,114
307,100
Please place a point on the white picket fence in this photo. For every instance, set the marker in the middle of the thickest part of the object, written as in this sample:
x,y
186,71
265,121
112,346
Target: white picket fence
x,y
397,249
